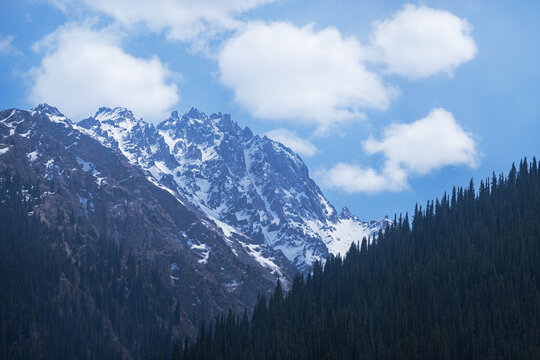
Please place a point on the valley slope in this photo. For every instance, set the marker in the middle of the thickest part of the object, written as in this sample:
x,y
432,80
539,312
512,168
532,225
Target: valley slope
x,y
255,185
211,213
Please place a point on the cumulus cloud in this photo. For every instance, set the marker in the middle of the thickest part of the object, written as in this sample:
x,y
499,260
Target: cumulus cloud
x,y
179,19
83,69
418,42
426,144
283,72
353,178
291,140
413,149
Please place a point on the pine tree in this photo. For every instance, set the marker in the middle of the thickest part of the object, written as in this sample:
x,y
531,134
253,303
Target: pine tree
x,y
459,281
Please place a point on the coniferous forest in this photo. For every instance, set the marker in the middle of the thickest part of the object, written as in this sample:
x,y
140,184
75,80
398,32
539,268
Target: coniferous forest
x,y
460,279
68,296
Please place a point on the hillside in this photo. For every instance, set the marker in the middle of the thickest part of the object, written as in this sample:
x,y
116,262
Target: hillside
x,y
100,206
461,281
150,238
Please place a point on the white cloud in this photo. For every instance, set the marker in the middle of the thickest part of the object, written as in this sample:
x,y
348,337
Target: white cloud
x,y
353,178
418,42
84,69
282,72
409,150
426,144
291,140
6,45
179,19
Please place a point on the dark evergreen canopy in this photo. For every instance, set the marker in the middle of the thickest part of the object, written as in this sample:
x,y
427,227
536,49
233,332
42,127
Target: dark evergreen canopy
x,y
84,305
460,282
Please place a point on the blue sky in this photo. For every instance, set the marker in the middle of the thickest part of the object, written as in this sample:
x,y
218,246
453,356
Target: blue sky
x,y
389,103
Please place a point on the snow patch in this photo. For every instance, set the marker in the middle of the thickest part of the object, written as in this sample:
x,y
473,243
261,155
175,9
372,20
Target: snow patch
x,y
255,252
231,286
227,229
168,140
59,120
26,134
203,249
85,165
32,156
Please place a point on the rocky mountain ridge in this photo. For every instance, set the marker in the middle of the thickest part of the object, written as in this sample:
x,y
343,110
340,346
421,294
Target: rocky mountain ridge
x,y
93,191
216,213
246,183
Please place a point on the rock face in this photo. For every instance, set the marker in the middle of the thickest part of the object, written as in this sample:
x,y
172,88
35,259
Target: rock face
x,y
250,195
247,184
96,191
196,187
216,212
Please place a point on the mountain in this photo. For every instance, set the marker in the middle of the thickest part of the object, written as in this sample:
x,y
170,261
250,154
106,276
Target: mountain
x,y
91,192
246,183
148,230
461,281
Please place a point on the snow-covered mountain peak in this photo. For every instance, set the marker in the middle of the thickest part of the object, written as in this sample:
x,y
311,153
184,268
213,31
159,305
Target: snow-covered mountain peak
x,y
280,155
119,117
375,225
196,119
195,113
248,134
138,140
252,184
47,109
347,214
51,113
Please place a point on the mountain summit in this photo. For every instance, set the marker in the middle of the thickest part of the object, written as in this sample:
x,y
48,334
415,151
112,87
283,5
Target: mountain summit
x,y
246,183
183,220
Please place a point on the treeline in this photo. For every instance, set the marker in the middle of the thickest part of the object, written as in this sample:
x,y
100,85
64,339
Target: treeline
x,y
71,296
460,280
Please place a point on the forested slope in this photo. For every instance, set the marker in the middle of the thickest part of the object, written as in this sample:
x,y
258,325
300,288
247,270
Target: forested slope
x,y
460,280
64,295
